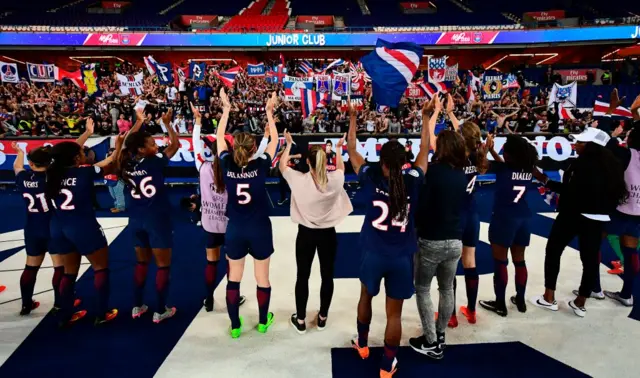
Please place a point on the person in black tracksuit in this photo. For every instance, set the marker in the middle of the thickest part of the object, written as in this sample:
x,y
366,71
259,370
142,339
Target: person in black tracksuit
x,y
591,188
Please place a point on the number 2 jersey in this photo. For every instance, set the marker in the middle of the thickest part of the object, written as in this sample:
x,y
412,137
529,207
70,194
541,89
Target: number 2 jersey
x,y
150,197
75,199
381,234
32,186
510,195
247,196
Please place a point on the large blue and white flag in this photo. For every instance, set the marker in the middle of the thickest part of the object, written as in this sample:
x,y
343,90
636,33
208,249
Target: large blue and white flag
x,y
197,71
391,67
165,73
254,70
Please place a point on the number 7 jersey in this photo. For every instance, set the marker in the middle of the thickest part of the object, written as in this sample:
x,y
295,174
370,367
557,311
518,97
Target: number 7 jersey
x,y
510,195
380,233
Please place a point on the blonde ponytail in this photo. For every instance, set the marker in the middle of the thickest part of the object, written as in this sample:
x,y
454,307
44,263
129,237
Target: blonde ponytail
x,y
243,146
319,158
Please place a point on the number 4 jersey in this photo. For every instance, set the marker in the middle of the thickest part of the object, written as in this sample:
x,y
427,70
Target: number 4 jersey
x,y
511,187
380,233
149,196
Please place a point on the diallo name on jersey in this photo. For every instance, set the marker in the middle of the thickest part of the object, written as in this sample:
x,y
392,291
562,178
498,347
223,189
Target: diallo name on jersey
x,y
521,176
243,175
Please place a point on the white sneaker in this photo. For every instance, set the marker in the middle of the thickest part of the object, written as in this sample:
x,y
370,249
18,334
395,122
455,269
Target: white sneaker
x,y
168,313
616,296
579,311
594,295
139,311
540,302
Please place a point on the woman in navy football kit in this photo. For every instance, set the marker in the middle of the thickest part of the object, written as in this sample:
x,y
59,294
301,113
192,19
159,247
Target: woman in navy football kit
x,y
75,232
388,237
36,232
249,227
470,221
142,169
509,227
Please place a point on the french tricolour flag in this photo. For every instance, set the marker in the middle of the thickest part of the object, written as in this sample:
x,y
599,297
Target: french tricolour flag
x,y
601,108
151,64
336,63
391,67
228,77
431,89
311,100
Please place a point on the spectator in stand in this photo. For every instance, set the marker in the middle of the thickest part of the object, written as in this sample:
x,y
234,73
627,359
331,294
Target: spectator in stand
x,y
124,125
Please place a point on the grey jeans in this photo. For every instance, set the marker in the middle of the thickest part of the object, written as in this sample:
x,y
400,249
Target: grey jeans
x,y
436,258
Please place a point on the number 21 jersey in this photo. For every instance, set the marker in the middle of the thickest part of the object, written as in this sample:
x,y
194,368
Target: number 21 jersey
x,y
381,234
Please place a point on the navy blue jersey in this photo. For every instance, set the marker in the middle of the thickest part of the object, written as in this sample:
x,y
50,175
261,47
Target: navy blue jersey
x,y
75,199
380,233
471,173
510,196
32,186
150,198
247,201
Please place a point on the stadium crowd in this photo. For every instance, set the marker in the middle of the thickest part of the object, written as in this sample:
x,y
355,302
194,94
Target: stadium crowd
x,y
61,109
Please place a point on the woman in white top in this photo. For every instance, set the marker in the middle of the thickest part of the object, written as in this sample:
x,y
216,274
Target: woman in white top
x,y
318,203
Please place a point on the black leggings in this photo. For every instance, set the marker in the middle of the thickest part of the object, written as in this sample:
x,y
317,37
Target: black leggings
x,y
326,242
589,233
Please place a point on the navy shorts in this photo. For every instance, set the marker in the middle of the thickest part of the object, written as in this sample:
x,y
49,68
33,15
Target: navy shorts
x,y
623,224
152,232
253,239
84,236
470,225
507,231
214,240
36,243
396,271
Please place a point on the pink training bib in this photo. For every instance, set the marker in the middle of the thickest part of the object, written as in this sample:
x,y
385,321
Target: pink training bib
x,y
214,204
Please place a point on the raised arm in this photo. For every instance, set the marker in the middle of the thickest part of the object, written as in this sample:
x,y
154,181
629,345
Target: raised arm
x,y
108,164
454,120
222,125
489,144
428,132
18,165
195,140
174,142
87,132
273,132
355,158
339,160
284,159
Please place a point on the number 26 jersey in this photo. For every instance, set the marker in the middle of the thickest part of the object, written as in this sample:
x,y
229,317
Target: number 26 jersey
x,y
150,197
380,233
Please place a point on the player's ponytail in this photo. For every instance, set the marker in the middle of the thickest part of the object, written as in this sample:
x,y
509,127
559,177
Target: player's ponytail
x,y
472,139
393,156
62,156
40,157
318,158
218,179
244,145
127,156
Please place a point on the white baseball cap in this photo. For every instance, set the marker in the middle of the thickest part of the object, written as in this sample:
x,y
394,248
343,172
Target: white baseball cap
x,y
591,134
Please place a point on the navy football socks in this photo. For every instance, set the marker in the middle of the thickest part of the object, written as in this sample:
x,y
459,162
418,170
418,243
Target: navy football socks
x,y
162,287
233,303
27,283
521,278
471,279
139,280
264,298
101,283
500,279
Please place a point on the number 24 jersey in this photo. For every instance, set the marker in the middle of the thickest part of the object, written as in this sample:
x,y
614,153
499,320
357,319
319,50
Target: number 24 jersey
x,y
380,233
